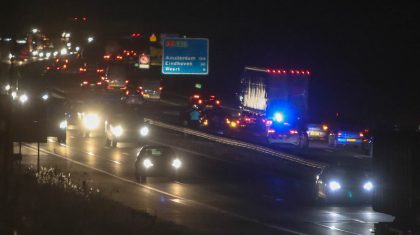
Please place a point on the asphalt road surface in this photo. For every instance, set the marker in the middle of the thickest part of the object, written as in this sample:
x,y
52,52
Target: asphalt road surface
x,y
220,189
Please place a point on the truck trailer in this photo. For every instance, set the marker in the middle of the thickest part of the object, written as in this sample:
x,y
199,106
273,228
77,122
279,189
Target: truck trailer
x,y
274,104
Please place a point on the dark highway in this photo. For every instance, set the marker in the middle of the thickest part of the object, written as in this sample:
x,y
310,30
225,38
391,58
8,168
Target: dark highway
x,y
219,187
209,117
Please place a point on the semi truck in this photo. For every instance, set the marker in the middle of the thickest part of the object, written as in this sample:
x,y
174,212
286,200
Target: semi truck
x,y
274,104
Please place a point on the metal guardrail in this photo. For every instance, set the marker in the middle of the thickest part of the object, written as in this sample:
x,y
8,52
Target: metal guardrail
x,y
238,143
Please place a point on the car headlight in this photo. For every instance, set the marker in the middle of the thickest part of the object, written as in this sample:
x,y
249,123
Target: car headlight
x,y
144,131
63,124
45,97
14,94
334,185
368,186
23,98
147,163
176,163
91,121
117,131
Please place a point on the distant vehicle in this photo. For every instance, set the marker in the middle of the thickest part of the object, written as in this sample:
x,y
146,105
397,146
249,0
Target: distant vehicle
x,y
92,80
205,101
150,81
317,132
125,126
345,184
117,75
349,135
273,105
218,121
156,161
132,95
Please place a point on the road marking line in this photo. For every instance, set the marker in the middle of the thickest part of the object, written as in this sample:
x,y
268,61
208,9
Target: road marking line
x,y
328,150
336,229
126,154
88,153
233,214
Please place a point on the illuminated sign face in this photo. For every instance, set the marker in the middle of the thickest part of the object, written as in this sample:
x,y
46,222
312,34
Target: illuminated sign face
x,y
185,56
176,43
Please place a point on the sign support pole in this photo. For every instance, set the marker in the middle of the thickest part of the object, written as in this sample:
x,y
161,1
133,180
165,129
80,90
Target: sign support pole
x,y
38,159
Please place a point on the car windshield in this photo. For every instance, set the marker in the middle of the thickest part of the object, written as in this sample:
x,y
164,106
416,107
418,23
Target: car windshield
x,y
245,102
157,152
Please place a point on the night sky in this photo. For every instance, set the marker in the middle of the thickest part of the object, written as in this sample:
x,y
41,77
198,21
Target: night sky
x,y
364,57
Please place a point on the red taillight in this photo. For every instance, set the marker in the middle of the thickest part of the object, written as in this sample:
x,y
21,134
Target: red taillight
x,y
127,92
339,133
218,102
99,83
107,57
268,122
196,97
361,134
271,131
160,88
85,82
126,81
200,101
119,57
99,70
140,87
64,66
82,69
294,132
212,97
48,68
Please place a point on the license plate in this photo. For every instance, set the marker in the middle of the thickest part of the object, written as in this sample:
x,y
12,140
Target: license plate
x,y
314,133
351,140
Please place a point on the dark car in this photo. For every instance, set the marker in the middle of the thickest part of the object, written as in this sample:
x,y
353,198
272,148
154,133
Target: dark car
x,y
350,135
92,80
204,101
132,94
345,184
156,161
125,126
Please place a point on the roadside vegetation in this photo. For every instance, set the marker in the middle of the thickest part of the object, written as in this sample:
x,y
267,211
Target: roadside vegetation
x,y
48,202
